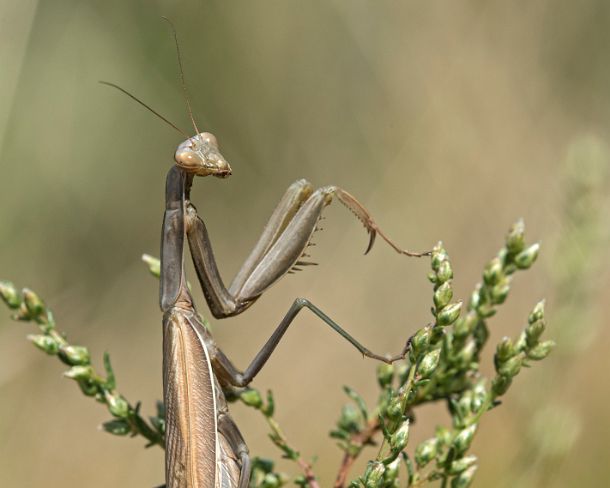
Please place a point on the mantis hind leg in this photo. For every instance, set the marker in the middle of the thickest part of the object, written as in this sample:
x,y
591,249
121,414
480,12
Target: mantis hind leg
x,y
229,375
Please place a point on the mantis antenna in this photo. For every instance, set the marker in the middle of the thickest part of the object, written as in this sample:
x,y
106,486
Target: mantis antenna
x,y
133,97
183,82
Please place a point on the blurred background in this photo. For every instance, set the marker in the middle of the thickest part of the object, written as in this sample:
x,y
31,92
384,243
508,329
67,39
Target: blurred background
x,y
449,120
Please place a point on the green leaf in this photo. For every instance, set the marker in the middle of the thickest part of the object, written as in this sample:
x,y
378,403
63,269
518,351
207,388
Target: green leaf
x,y
117,427
153,264
350,392
110,378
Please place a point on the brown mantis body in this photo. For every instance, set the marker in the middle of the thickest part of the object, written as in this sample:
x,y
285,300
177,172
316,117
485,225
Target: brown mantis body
x,y
203,445
204,448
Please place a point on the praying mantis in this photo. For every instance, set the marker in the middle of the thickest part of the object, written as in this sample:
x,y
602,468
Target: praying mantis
x,y
204,447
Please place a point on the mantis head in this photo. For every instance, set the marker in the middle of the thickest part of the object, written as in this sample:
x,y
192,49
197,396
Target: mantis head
x,y
199,155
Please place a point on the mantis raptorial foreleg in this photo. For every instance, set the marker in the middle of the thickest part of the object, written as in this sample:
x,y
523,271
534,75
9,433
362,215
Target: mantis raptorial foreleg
x,y
280,248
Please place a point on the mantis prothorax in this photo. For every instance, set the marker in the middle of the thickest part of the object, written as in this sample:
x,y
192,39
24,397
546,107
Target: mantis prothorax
x,y
204,448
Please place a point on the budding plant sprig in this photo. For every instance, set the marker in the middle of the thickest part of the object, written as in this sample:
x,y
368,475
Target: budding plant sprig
x,y
443,364
252,398
126,420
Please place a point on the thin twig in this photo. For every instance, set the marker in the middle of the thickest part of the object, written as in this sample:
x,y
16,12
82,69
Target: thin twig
x,y
360,439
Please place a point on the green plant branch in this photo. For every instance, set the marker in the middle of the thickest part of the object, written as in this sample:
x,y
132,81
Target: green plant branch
x,y
442,363
252,398
28,307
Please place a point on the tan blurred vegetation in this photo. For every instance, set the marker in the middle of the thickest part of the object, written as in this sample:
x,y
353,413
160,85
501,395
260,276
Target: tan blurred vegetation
x,y
448,119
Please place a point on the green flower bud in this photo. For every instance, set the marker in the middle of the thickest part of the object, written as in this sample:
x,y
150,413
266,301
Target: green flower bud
x,y
515,239
504,351
374,475
464,480
465,325
392,470
439,255
462,441
421,341
481,332
44,343
117,427
541,351
74,355
526,258
449,314
493,272
271,480
9,294
500,385
466,354
33,303
444,272
88,387
21,313
252,398
399,439
463,405
443,295
461,465
500,291
443,435
460,328
533,332
154,264
394,409
79,373
350,419
537,313
429,363
385,374
511,367
485,310
475,298
117,405
521,344
426,451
